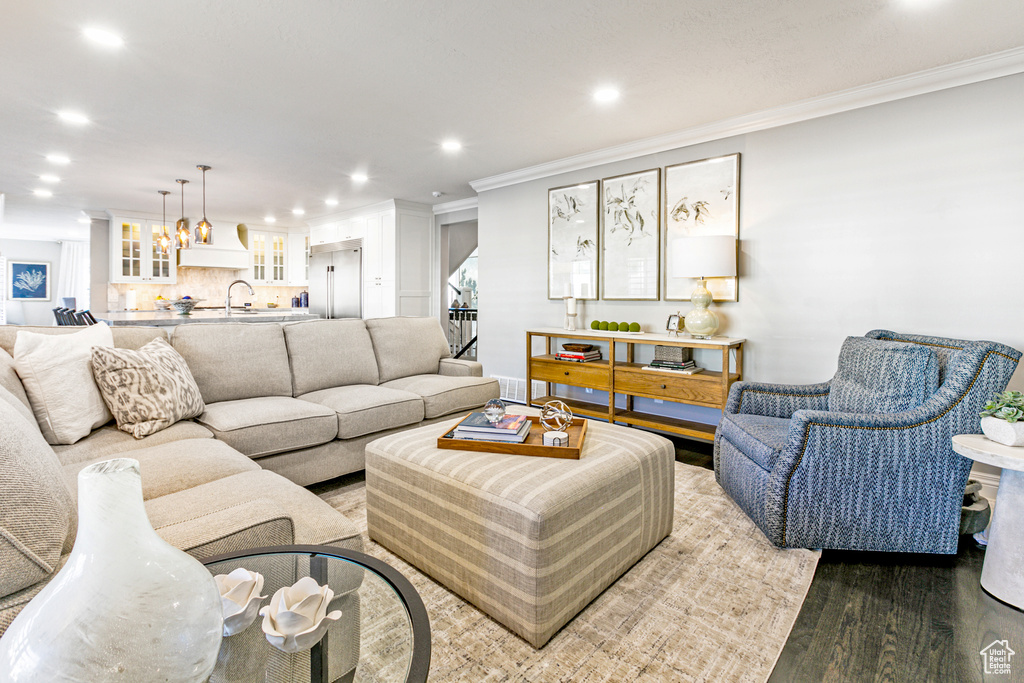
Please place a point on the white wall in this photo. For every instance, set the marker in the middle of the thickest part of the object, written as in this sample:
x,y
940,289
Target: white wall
x,y
33,312
907,215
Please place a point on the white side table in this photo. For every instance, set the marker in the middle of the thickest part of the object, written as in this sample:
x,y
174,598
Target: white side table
x,y
1003,572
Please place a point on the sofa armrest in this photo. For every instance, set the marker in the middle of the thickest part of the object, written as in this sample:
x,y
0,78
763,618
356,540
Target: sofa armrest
x,y
254,523
460,368
776,400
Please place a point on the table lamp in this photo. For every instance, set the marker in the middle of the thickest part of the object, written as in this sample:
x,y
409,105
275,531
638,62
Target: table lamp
x,y
703,257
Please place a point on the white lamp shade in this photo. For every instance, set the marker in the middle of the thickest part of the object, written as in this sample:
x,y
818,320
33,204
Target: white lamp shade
x,y
703,256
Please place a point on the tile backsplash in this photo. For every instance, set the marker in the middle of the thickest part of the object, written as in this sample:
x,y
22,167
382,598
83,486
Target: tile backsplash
x,y
209,284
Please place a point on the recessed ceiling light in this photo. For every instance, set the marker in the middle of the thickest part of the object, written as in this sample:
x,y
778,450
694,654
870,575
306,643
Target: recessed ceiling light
x,y
58,159
359,177
331,202
269,219
73,117
42,193
47,178
298,212
606,95
102,37
451,145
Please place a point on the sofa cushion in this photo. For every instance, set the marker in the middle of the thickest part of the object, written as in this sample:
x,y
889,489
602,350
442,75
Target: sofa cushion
x,y
271,424
146,390
759,437
128,337
231,361
314,521
407,346
443,395
37,517
57,374
10,381
16,402
365,409
876,376
108,441
329,353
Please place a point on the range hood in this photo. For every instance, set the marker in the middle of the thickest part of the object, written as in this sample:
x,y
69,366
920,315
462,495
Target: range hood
x,y
227,251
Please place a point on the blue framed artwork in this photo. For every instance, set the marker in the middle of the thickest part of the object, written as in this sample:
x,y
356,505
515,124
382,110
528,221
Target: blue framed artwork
x,y
28,280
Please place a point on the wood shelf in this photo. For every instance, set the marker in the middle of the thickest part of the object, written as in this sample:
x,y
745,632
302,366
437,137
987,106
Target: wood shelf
x,y
709,388
585,408
694,430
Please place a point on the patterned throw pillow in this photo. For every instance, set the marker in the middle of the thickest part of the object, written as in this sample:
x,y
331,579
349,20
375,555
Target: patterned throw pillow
x,y
146,390
879,376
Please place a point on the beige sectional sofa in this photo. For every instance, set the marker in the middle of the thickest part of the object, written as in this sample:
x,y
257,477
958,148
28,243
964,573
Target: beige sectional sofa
x,y
285,404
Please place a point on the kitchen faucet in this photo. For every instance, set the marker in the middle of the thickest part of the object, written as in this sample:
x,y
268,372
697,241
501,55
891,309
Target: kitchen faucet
x,y
227,302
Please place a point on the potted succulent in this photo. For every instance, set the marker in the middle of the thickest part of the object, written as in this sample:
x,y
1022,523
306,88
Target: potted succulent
x,y
1002,420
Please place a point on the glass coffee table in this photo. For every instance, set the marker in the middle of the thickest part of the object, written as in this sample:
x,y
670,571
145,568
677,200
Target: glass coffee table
x,y
383,634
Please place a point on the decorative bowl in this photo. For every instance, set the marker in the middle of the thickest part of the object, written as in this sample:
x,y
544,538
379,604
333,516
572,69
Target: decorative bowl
x,y
185,306
162,304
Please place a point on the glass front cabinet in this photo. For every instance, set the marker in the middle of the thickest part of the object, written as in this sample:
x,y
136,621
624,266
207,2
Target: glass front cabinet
x,y
267,252
135,252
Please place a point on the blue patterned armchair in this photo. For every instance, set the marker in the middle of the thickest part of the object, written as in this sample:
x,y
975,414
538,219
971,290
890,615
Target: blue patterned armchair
x,y
863,461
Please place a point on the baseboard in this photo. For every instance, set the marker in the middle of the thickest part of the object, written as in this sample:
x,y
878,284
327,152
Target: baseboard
x,y
989,484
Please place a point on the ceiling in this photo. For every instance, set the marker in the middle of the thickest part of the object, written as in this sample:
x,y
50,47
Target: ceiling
x,y
284,100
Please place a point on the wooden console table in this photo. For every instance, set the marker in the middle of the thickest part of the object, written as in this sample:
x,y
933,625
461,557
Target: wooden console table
x,y
709,388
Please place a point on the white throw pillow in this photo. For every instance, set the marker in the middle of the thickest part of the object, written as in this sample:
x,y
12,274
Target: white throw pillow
x,y
56,370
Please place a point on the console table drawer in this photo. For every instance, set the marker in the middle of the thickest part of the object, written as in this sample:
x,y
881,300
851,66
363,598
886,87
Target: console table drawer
x,y
686,388
594,375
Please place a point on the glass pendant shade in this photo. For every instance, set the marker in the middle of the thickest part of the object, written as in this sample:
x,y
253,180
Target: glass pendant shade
x,y
182,237
204,230
165,234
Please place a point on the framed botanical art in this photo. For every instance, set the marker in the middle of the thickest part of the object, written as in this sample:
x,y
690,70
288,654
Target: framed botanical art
x,y
630,236
573,252
701,198
28,280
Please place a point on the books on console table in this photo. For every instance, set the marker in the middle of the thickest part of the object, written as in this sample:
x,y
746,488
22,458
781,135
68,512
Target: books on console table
x,y
579,357
692,370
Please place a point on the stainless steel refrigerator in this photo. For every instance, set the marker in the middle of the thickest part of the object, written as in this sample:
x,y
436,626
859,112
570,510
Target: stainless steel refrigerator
x,y
336,279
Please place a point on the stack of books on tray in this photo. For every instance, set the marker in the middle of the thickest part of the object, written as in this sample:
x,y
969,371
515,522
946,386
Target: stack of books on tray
x,y
686,367
509,429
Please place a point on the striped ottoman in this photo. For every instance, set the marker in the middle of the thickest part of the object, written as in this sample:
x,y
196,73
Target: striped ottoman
x,y
530,541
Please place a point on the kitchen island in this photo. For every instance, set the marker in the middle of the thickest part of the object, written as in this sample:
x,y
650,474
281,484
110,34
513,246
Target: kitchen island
x,y
162,318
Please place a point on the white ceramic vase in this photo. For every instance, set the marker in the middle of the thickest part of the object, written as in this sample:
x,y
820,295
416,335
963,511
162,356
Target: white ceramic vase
x,y
126,606
1001,431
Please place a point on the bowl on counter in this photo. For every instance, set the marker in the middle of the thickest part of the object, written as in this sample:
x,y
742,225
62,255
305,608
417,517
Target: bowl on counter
x,y
162,304
184,306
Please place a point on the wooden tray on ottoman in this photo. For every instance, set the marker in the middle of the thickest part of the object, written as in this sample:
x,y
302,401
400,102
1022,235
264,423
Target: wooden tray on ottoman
x,y
534,444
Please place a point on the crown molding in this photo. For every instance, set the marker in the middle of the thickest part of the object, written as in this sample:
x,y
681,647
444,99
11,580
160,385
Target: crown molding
x,y
456,205
975,70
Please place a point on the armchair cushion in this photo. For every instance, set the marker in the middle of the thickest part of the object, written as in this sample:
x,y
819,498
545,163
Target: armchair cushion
x,y
876,376
758,437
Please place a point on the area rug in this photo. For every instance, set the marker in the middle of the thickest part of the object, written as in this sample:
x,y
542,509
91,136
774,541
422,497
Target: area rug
x,y
715,601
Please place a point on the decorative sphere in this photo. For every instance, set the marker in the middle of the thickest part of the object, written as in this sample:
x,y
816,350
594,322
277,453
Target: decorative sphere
x,y
595,325
613,327
555,416
494,410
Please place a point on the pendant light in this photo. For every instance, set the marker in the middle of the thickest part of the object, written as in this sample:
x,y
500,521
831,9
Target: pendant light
x,y
182,237
165,233
204,231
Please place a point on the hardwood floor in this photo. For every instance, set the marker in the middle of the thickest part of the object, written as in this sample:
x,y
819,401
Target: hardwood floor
x,y
893,616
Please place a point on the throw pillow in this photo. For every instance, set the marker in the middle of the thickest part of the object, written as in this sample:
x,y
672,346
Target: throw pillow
x,y
877,376
147,390
37,517
56,373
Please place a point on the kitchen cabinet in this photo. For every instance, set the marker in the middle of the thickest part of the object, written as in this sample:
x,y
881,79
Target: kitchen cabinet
x,y
267,252
298,259
135,252
338,231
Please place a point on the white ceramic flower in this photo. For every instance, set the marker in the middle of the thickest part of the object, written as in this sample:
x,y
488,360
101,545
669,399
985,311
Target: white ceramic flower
x,y
239,598
296,618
